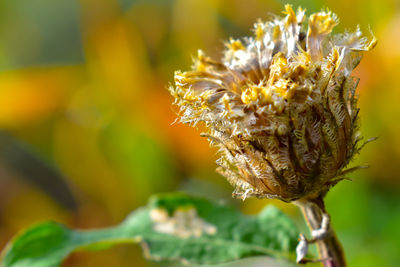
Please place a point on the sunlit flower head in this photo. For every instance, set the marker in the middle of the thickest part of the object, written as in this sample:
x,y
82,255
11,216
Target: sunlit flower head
x,y
280,105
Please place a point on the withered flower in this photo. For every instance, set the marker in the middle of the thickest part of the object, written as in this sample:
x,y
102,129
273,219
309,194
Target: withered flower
x,y
281,105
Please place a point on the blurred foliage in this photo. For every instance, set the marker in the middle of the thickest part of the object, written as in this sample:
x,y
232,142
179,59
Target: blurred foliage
x,y
174,227
82,87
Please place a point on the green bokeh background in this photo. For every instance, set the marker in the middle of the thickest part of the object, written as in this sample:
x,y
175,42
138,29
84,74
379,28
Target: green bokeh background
x,y
83,90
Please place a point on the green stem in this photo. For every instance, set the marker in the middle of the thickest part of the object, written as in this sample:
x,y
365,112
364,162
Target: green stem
x,y
329,248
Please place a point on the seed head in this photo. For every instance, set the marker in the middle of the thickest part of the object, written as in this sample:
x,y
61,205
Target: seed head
x,y
280,106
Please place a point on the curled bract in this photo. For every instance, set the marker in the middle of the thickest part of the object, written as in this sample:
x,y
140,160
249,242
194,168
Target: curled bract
x,y
281,105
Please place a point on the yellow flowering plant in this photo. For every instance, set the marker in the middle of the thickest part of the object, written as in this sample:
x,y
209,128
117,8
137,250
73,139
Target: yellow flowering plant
x,y
281,107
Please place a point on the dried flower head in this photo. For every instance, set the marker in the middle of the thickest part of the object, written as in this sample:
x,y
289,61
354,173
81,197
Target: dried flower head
x,y
281,105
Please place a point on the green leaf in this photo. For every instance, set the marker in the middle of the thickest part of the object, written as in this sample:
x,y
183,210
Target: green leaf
x,y
172,227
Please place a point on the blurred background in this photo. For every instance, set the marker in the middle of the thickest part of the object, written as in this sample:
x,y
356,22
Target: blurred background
x,y
86,132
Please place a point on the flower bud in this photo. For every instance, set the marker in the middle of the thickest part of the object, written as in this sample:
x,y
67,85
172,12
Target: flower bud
x,y
280,106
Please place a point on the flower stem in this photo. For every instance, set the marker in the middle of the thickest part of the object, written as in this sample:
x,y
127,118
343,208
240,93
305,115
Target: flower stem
x,y
330,250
